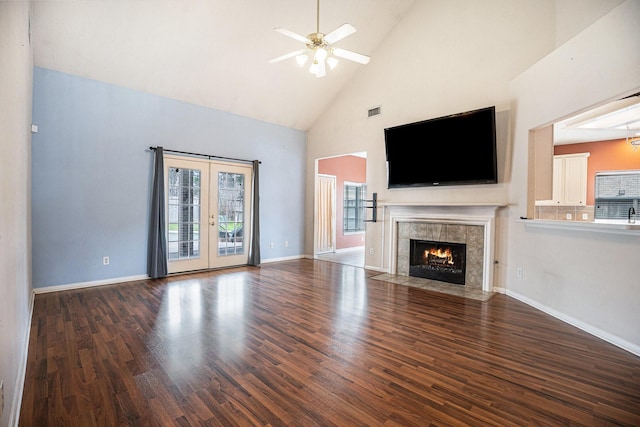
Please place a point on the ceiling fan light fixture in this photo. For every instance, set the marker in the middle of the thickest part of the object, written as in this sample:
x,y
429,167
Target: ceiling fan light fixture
x,y
313,69
320,55
633,140
320,48
302,59
318,68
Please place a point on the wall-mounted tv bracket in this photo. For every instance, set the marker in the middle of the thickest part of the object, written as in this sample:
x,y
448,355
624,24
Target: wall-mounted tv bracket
x,y
374,206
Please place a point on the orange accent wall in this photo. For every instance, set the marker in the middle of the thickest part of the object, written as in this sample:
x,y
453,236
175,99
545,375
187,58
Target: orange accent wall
x,y
612,155
351,169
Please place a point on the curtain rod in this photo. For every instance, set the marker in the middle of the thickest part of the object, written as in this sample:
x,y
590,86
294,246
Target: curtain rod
x,y
209,156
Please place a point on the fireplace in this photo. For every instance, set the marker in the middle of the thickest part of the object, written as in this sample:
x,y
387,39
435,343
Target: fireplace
x,y
472,225
442,261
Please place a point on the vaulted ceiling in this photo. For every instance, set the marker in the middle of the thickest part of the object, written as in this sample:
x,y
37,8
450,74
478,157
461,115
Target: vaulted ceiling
x,y
212,53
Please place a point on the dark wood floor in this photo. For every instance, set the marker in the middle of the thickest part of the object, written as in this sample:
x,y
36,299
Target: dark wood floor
x,y
313,344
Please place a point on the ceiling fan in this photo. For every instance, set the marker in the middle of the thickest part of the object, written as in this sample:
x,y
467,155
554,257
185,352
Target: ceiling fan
x,y
319,48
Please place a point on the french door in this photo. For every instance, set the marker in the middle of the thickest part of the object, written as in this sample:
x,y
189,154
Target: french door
x,y
208,205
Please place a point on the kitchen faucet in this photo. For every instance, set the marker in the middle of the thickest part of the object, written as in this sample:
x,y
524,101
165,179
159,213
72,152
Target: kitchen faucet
x,y
632,211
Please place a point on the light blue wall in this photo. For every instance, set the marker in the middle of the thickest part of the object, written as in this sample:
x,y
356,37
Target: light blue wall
x,y
91,174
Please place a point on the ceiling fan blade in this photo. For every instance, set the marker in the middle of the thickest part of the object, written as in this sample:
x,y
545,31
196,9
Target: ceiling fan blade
x,y
339,33
293,35
287,56
352,56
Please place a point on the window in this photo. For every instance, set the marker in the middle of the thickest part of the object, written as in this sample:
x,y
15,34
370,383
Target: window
x,y
184,213
354,207
231,216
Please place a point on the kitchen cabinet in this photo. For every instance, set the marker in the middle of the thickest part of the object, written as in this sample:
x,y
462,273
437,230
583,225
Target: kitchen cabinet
x,y
569,180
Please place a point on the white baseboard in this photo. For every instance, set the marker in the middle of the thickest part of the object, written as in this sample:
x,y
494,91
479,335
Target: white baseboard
x,y
16,403
379,269
351,249
80,285
612,339
287,258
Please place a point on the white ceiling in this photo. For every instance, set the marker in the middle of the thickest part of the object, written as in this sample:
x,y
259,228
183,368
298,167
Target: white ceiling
x,y
212,53
615,120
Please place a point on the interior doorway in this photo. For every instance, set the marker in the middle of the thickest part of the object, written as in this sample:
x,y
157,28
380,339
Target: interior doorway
x,y
347,226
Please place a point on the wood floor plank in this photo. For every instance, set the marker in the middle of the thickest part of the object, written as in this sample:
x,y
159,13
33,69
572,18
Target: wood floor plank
x,y
313,343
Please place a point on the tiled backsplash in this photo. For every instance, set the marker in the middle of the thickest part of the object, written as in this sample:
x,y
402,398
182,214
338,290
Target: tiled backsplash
x,y
565,213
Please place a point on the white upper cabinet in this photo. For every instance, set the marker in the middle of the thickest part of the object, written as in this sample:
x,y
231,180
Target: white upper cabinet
x,y
569,180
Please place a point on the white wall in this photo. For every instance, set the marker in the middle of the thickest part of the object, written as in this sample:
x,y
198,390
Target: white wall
x,y
16,65
573,16
590,279
444,57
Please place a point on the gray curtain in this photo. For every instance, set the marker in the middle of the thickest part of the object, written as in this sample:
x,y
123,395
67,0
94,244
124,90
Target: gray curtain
x,y
157,244
254,247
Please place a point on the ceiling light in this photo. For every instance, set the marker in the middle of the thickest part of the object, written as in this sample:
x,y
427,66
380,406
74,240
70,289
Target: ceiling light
x,y
621,119
313,69
319,47
302,59
321,55
616,115
633,140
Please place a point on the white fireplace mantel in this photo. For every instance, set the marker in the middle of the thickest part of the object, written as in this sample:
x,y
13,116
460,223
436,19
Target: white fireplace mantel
x,y
445,205
483,214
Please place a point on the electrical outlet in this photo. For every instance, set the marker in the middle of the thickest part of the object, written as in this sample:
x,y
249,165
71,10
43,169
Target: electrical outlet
x,y
568,216
105,260
272,245
371,251
585,216
520,272
286,243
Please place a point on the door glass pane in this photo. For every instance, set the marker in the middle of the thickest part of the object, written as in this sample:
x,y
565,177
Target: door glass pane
x,y
231,215
184,214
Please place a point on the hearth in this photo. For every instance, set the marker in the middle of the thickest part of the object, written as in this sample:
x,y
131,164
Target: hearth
x,y
442,261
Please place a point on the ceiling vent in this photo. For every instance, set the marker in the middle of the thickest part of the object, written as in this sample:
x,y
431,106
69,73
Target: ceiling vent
x,y
375,111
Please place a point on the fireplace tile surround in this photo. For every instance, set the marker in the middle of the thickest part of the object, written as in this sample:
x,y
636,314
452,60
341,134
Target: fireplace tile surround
x,y
470,235
472,225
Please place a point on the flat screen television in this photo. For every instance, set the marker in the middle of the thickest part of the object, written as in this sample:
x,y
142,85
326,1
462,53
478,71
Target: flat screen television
x,y
459,149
